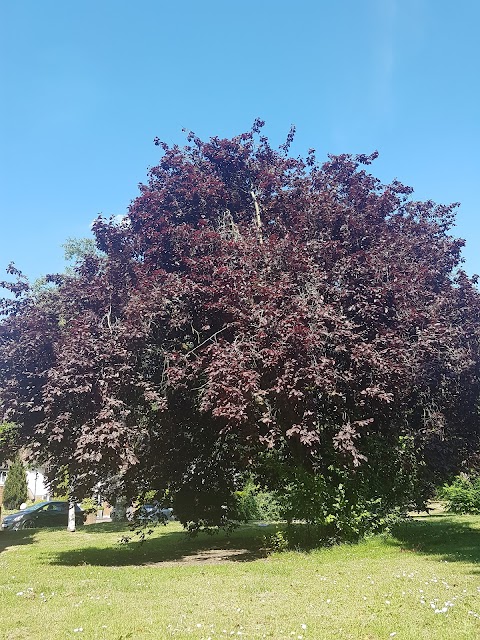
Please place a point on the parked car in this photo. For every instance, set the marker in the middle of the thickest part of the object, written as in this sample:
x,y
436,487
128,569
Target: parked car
x,y
52,513
151,513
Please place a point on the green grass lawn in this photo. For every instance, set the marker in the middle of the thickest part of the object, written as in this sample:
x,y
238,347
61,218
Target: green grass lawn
x,y
421,583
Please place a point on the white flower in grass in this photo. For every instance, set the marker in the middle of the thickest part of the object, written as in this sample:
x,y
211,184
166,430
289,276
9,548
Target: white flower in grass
x,y
78,630
303,626
393,634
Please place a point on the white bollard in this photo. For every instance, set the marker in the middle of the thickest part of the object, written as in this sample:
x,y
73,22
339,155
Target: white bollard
x,y
71,516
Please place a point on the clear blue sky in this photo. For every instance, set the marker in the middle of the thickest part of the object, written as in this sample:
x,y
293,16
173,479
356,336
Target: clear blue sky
x,y
86,86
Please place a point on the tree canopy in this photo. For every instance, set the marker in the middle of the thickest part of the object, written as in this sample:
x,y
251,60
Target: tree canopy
x,y
253,313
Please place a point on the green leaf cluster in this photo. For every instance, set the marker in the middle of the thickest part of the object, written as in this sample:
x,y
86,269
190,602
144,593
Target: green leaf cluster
x,y
254,504
8,432
462,495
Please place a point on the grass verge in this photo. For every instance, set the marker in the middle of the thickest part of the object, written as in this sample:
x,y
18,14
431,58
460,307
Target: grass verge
x,y
421,582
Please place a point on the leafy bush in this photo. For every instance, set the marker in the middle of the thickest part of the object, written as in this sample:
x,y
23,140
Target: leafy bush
x,y
336,506
15,490
247,507
268,506
462,495
277,541
89,505
254,504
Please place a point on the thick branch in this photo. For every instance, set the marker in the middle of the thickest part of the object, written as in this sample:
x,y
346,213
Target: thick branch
x,y
258,219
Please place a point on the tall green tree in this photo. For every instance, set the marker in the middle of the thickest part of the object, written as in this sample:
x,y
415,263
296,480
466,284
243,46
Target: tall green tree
x,y
15,490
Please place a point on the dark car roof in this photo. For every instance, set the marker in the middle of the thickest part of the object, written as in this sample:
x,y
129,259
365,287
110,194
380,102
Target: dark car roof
x,y
39,505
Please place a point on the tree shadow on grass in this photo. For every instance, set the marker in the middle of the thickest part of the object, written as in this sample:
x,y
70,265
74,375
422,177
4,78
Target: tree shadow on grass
x,y
106,527
170,548
444,537
450,538
14,538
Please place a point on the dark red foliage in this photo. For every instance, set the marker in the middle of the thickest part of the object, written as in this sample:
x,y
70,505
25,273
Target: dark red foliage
x,y
250,302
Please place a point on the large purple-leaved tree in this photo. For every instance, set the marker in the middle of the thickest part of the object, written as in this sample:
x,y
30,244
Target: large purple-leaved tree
x,y
254,314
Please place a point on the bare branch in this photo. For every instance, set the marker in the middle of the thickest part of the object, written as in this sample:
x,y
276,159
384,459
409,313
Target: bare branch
x,y
205,341
258,219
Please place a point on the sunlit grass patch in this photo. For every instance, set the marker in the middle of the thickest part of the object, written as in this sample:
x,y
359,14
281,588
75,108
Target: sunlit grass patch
x,y
422,582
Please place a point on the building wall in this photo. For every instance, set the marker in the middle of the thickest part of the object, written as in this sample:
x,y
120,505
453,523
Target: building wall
x,y
37,489
36,485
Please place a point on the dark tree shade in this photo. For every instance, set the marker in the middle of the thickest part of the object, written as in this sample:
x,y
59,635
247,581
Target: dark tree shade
x,y
253,313
15,490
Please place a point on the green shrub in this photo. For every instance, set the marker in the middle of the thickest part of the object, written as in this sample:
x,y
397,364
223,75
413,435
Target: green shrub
x,y
247,508
268,506
462,495
277,541
15,490
89,505
253,504
336,505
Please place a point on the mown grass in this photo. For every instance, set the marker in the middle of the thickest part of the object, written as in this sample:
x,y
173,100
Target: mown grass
x,y
422,582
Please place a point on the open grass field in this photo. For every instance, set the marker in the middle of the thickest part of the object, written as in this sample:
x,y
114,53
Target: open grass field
x,y
421,583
